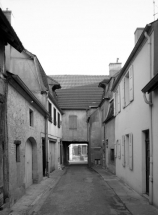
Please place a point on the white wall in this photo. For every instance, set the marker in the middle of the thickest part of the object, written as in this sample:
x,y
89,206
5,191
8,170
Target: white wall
x,y
135,118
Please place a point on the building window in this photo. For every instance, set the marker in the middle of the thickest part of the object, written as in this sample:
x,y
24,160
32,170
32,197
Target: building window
x,y
73,122
117,101
127,151
17,150
58,120
50,111
31,117
128,89
55,117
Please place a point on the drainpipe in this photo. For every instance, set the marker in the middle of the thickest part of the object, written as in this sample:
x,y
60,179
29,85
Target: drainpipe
x,y
151,129
46,138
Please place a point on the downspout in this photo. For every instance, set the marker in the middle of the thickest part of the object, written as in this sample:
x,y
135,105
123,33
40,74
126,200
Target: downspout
x,y
151,129
46,138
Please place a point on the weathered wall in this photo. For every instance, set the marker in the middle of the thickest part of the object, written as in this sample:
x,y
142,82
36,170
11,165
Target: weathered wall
x,y
110,136
79,134
19,129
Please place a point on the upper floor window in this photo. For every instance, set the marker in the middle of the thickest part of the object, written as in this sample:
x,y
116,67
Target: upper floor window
x,y
55,117
58,120
117,101
31,119
128,90
50,111
72,122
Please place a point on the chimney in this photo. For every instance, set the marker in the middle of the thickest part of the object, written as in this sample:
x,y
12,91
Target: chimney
x,y
114,67
138,33
7,13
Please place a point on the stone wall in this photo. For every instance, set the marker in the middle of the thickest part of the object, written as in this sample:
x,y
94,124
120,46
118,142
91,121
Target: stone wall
x,y
20,130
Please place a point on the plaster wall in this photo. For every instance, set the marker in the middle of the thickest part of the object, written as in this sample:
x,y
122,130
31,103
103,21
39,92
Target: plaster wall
x,y
19,129
135,118
79,134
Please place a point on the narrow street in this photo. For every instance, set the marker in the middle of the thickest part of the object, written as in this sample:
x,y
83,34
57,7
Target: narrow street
x,y
82,191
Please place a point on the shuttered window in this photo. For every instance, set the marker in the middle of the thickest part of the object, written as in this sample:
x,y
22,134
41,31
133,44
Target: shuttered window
x,y
55,117
128,87
131,151
58,120
123,151
72,122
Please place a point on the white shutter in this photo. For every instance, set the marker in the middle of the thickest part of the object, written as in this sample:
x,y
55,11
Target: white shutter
x,y
119,102
131,88
114,104
116,149
123,151
119,149
123,93
131,151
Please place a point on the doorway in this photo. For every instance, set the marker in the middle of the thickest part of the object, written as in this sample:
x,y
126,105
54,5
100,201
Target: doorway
x,y
52,155
28,164
44,156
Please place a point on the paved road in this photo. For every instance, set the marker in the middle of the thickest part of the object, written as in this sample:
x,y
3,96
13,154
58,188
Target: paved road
x,y
81,191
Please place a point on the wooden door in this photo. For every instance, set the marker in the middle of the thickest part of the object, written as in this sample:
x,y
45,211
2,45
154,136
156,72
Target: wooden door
x,y
1,173
52,155
28,164
44,157
147,143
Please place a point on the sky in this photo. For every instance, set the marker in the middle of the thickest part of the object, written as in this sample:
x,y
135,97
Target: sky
x,y
79,36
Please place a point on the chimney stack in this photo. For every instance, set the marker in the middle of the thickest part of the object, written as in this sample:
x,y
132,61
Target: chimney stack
x,y
7,13
138,33
114,67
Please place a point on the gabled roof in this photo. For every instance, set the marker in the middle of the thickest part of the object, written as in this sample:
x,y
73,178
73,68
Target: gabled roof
x,y
69,81
9,34
80,98
147,29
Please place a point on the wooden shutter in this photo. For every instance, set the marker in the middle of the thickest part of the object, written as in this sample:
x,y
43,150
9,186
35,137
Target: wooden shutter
x,y
55,116
115,149
119,102
123,93
114,104
131,88
131,151
72,122
119,149
123,151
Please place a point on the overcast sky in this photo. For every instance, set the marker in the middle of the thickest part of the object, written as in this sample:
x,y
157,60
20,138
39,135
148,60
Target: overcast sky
x,y
79,36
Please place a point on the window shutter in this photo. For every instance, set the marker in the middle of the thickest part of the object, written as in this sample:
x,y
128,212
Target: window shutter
x,y
131,88
123,93
131,151
119,102
119,149
114,104
123,151
116,149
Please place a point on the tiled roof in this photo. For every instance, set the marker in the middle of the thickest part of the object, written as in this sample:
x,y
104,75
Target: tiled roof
x,y
79,97
79,91
69,81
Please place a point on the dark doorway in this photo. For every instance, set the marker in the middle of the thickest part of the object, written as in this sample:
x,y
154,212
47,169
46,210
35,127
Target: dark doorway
x,y
44,156
147,152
